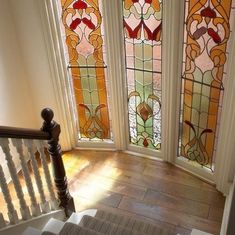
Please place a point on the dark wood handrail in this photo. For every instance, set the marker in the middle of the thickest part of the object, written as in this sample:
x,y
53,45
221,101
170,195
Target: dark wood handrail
x,y
54,149
23,133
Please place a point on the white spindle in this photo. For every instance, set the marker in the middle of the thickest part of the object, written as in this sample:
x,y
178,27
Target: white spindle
x,y
12,214
31,149
2,221
12,169
35,208
53,201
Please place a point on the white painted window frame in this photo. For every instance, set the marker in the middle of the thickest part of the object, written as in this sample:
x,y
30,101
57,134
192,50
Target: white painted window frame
x,y
59,74
225,154
224,166
173,37
173,13
116,58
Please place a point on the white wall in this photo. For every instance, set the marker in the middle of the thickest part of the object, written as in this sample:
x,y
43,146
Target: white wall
x,y
34,54
36,58
25,77
15,97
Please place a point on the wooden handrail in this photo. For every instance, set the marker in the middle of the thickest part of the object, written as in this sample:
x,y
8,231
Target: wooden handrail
x,y
54,149
23,133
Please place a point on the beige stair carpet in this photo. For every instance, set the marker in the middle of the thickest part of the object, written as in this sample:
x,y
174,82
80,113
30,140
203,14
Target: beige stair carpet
x,y
110,224
133,224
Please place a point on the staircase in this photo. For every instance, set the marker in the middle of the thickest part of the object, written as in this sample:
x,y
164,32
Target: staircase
x,y
97,222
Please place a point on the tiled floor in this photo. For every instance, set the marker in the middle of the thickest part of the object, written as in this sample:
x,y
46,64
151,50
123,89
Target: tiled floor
x,y
150,190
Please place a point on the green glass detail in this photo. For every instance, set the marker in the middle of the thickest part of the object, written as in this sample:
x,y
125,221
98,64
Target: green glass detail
x,y
143,55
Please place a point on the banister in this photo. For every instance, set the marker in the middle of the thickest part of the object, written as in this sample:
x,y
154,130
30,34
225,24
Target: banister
x,y
54,149
23,133
50,131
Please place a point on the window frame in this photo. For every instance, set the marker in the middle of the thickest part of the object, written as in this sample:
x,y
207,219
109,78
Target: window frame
x,y
113,13
171,83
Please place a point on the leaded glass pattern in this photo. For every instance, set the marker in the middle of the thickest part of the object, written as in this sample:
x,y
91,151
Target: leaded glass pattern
x,y
84,38
142,21
206,37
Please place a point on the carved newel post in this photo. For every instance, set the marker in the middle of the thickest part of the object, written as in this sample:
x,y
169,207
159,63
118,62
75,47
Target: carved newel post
x,y
54,148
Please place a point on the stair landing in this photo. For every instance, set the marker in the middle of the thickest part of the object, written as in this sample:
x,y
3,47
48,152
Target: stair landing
x,y
152,191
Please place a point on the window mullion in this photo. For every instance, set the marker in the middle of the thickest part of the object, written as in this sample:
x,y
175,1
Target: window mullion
x,y
224,160
172,52
114,39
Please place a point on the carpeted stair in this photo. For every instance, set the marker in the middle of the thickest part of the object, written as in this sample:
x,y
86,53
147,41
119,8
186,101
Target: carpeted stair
x,y
98,222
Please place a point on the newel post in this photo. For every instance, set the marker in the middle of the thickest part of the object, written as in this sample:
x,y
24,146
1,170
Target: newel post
x,y
54,148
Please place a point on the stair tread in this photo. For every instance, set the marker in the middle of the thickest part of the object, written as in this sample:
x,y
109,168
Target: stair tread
x,y
112,224
76,217
74,229
105,227
48,233
198,232
32,231
98,222
134,224
53,226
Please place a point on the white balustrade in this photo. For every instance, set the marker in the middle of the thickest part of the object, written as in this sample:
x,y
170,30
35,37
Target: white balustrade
x,y
4,143
21,156
2,221
31,149
35,208
12,214
41,149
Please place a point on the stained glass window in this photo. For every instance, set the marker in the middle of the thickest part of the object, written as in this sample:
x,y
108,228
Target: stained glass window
x,y
83,25
142,31
206,37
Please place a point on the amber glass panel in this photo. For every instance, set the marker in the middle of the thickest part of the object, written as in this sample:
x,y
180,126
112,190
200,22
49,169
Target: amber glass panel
x,y
206,35
142,30
83,28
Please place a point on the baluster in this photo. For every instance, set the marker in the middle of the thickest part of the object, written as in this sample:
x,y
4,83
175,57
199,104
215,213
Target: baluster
x,y
12,214
30,146
35,208
24,210
53,128
2,221
53,201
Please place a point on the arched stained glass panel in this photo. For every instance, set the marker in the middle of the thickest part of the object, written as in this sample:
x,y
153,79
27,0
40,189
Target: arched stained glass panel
x,y
206,43
142,21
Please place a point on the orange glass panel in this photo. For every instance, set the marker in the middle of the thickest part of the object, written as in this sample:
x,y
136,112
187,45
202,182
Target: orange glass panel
x,y
82,20
207,31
